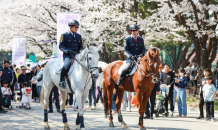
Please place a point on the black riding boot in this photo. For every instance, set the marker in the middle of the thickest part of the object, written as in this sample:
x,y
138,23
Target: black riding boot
x,y
62,82
122,75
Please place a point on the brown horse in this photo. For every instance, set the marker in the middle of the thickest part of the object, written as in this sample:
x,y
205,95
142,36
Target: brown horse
x,y
142,84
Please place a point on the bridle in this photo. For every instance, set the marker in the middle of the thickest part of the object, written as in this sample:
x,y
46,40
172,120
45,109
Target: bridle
x,y
142,71
89,69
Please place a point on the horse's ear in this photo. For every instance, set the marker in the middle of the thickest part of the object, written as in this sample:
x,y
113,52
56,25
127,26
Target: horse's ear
x,y
150,55
99,47
157,52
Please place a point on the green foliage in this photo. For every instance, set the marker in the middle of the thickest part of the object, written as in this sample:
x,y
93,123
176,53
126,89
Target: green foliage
x,y
215,104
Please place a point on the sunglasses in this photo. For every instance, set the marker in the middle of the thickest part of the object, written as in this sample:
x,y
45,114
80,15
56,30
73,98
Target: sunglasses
x,y
134,30
76,27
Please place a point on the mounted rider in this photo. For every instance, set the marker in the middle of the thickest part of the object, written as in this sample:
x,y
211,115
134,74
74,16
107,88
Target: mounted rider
x,y
71,45
134,48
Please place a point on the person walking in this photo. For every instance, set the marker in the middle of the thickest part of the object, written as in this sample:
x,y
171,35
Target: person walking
x,y
181,83
98,84
168,78
194,76
203,82
38,83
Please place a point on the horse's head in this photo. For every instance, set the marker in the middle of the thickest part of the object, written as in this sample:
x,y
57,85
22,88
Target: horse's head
x,y
150,62
89,57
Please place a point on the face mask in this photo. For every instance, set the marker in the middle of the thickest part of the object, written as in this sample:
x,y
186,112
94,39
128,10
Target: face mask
x,y
181,74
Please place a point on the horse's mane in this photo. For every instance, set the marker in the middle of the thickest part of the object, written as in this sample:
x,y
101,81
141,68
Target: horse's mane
x,y
82,54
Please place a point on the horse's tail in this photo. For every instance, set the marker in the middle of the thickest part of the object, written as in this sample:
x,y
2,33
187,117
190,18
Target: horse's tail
x,y
106,110
42,95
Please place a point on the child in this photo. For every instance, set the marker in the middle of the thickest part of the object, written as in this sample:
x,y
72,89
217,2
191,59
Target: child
x,y
26,95
209,92
6,93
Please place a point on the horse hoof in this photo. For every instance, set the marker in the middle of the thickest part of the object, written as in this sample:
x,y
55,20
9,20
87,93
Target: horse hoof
x,y
46,127
66,128
123,124
111,124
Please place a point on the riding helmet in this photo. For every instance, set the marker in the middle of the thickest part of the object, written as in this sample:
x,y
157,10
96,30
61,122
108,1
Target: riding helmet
x,y
73,22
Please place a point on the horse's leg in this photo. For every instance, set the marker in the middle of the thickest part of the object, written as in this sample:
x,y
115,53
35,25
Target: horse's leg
x,y
80,108
45,92
109,95
84,96
64,115
141,110
118,105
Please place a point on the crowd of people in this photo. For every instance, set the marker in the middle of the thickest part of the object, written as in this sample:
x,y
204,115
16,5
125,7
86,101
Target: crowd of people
x,y
27,82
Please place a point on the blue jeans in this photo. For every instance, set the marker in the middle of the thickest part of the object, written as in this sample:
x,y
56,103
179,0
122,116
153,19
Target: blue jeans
x,y
216,85
92,94
174,96
181,101
113,104
16,86
39,90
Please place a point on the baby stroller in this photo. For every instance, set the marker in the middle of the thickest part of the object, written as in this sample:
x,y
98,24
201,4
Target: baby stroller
x,y
160,100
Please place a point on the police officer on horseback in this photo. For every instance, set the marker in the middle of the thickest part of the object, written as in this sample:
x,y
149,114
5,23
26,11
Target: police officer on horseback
x,y
134,48
71,45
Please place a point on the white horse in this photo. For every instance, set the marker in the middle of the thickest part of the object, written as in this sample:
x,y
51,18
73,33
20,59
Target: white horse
x,y
85,65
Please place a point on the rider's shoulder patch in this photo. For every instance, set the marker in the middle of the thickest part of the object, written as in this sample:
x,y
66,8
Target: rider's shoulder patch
x,y
61,39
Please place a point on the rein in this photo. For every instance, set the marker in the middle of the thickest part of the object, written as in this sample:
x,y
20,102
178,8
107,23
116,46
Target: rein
x,y
145,73
87,69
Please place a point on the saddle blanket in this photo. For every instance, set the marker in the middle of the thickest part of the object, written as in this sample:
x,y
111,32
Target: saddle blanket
x,y
132,71
60,66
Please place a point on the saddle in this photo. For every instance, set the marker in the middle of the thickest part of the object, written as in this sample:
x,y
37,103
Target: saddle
x,y
69,71
131,72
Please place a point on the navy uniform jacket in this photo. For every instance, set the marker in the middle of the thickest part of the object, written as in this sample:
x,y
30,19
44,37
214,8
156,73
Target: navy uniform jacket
x,y
69,42
132,48
7,75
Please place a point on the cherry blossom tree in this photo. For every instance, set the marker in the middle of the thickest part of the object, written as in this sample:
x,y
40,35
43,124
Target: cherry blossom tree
x,y
198,18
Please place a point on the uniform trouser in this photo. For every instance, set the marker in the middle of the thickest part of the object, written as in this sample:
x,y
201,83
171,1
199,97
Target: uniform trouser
x,y
210,109
127,95
201,104
8,99
66,62
1,103
150,105
56,97
126,69
170,99
70,99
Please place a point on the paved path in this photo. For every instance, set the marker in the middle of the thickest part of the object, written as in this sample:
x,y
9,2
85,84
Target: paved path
x,y
21,119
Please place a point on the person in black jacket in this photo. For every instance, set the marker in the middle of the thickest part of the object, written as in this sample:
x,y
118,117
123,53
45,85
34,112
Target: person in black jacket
x,y
7,74
71,45
168,78
201,102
